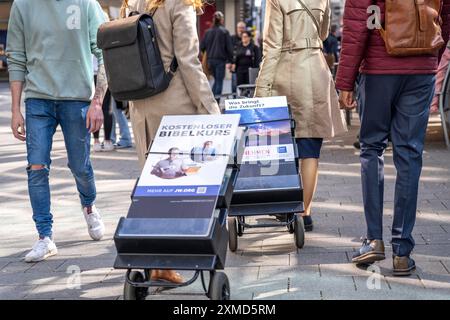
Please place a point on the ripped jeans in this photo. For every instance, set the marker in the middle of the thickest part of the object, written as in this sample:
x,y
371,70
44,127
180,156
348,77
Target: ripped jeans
x,y
42,119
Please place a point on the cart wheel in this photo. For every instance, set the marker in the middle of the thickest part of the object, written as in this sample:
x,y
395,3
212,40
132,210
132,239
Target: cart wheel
x,y
299,232
133,293
219,287
240,226
233,234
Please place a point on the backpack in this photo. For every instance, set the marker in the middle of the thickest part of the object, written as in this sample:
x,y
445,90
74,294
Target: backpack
x,y
132,59
412,27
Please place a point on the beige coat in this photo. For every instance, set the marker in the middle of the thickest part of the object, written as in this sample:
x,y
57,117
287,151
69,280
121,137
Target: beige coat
x,y
189,91
294,66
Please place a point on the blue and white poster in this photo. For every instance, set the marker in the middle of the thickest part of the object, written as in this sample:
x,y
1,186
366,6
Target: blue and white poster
x,y
269,127
269,159
259,110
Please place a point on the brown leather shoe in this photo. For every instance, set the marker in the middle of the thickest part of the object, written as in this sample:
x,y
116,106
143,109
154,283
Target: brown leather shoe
x,y
167,275
370,252
403,266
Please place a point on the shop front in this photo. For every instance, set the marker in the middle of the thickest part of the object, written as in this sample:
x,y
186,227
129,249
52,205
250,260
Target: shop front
x,y
234,11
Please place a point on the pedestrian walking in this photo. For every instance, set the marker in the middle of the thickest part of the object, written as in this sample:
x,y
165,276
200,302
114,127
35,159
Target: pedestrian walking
x,y
189,91
440,78
107,144
219,50
331,48
125,140
236,40
51,53
294,66
247,55
395,90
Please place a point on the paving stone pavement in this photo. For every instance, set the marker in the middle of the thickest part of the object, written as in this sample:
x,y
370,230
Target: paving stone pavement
x,y
267,264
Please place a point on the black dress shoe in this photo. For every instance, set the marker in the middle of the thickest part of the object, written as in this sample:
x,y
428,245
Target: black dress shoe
x,y
308,222
370,252
403,266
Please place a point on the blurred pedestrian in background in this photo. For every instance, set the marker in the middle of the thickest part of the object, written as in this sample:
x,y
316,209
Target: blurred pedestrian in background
x,y
3,60
331,48
440,77
247,55
219,50
125,141
107,144
236,40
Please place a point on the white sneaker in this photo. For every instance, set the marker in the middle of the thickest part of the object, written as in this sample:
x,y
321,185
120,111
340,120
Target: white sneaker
x,y
97,147
108,146
42,249
96,227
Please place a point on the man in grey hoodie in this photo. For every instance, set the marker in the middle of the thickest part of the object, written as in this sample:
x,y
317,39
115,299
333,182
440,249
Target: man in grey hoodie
x,y
49,49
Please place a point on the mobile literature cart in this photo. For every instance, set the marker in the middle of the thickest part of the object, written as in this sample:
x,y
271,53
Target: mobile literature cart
x,y
177,219
268,182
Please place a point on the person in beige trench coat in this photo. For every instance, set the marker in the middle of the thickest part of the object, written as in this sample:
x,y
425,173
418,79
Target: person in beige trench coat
x,y
189,91
294,66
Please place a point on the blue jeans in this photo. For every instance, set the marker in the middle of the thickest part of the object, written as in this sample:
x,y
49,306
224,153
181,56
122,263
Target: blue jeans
x,y
217,67
124,130
395,106
42,119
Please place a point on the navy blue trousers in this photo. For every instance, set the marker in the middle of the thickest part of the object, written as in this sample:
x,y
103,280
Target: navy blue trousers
x,y
218,72
395,106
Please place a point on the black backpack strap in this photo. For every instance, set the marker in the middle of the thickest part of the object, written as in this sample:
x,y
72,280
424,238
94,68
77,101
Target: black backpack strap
x,y
174,64
133,13
173,68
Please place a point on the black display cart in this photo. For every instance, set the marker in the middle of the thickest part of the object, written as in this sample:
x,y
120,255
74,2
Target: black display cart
x,y
277,194
164,233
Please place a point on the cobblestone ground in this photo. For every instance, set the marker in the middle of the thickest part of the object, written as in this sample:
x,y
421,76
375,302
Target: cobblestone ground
x,y
267,265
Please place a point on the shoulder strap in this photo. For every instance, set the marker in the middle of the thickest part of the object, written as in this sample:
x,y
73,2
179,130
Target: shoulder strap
x,y
313,18
174,64
152,13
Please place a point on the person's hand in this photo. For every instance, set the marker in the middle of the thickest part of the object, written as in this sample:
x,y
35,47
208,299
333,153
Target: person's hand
x,y
229,66
233,68
94,117
346,100
18,126
435,104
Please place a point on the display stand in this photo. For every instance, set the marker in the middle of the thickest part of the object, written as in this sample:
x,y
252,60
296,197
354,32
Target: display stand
x,y
268,182
177,219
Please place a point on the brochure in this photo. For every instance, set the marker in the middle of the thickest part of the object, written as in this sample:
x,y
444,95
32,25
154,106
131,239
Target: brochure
x,y
269,128
188,156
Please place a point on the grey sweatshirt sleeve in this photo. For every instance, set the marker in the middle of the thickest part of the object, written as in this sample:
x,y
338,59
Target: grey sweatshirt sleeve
x,y
15,47
96,18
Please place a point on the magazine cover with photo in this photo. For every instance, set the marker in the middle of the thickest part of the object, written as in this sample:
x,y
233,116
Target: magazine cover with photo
x,y
178,163
269,127
269,157
189,156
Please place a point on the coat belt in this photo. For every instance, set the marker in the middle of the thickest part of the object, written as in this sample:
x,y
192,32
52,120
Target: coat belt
x,y
305,43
